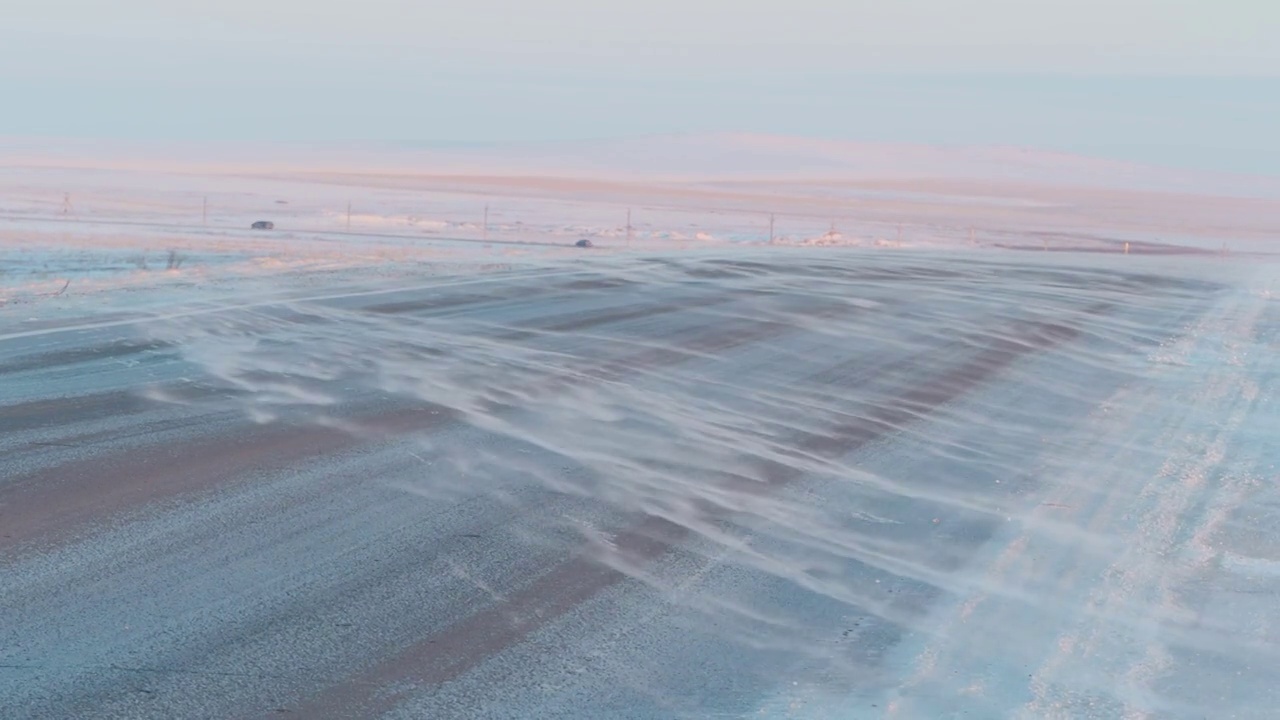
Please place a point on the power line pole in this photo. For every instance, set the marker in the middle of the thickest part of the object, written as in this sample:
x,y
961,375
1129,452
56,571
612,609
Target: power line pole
x,y
771,228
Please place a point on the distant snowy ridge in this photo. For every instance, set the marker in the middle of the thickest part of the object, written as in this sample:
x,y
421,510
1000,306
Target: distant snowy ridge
x,y
738,157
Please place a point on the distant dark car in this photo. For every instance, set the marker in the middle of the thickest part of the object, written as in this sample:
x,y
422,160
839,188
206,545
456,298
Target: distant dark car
x,y
583,243
264,225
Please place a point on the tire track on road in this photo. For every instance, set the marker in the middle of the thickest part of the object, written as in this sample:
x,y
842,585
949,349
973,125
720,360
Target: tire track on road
x,y
447,655
55,502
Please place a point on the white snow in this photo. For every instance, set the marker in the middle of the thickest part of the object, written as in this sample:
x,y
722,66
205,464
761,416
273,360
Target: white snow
x,y
1116,485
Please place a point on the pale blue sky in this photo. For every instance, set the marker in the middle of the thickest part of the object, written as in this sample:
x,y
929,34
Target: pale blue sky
x,y
1128,78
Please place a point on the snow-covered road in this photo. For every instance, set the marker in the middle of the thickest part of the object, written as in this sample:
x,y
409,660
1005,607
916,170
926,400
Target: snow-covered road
x,y
724,483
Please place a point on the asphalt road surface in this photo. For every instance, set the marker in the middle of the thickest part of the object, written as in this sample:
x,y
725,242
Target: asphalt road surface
x,y
781,484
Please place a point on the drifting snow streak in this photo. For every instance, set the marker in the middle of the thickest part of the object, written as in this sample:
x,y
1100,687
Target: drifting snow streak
x,y
794,484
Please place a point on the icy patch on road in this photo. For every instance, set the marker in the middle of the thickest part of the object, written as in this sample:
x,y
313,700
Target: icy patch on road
x,y
837,470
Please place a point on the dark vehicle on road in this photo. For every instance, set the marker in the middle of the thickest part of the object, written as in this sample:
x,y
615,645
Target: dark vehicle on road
x,y
264,225
583,243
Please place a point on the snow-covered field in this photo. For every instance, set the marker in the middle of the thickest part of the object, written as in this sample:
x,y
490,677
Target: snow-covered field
x,y
370,205
85,221
961,456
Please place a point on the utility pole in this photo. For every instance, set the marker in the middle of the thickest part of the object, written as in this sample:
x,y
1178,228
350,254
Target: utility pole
x,y
771,219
